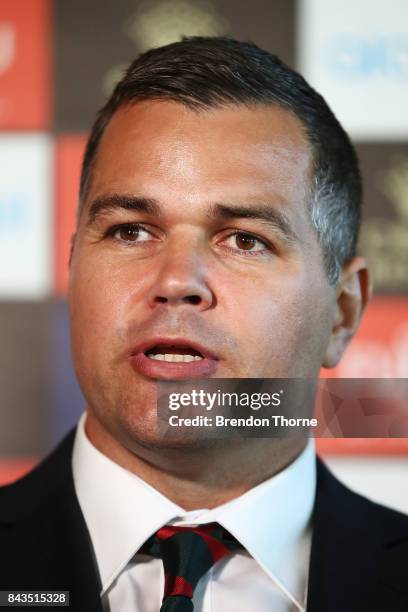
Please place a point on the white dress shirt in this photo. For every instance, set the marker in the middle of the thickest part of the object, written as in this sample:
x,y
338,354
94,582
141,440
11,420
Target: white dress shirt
x,y
271,521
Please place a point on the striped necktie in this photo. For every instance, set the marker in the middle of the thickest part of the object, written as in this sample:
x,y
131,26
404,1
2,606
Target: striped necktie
x,y
187,554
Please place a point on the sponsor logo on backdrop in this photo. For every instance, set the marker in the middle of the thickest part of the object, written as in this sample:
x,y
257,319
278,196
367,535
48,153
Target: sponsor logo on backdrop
x,y
24,64
159,23
119,35
372,357
380,348
358,60
384,240
13,210
360,57
7,46
154,24
25,210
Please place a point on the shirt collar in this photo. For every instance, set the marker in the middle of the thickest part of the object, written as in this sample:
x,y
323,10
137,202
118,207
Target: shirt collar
x,y
270,520
120,509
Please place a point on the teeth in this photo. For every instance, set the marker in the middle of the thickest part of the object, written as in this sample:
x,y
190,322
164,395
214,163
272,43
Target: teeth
x,y
174,357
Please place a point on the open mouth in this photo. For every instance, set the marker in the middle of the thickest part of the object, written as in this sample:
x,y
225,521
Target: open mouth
x,y
173,359
173,353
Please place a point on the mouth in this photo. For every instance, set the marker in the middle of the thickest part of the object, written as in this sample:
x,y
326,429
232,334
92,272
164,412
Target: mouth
x,y
173,359
173,354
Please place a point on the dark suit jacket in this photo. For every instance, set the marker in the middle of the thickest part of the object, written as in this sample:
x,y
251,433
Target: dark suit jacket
x,y
359,557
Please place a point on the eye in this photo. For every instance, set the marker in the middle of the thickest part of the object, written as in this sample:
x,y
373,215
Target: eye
x,y
130,233
248,243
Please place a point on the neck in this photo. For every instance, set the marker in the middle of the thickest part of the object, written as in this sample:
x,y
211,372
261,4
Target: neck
x,y
194,477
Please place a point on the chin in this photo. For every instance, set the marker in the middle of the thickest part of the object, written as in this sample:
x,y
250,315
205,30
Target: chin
x,y
184,444
161,439
146,432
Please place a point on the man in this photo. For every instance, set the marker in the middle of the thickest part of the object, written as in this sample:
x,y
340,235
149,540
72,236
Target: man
x,y
216,238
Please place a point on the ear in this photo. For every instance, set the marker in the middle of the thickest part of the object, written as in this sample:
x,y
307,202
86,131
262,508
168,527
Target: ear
x,y
71,251
353,292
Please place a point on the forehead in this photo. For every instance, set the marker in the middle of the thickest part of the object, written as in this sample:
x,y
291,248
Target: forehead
x,y
164,149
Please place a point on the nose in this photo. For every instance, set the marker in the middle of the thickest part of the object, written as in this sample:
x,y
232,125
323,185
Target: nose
x,y
182,279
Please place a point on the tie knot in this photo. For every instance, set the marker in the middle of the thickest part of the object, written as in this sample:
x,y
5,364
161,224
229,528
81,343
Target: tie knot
x,y
187,554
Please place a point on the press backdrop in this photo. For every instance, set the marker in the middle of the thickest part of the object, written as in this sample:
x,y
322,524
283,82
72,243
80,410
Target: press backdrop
x,y
58,62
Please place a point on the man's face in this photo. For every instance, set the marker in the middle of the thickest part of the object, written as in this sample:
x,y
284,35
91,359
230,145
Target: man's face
x,y
195,239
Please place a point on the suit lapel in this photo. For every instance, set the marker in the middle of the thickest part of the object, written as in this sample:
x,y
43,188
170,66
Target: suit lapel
x,y
357,547
44,533
358,558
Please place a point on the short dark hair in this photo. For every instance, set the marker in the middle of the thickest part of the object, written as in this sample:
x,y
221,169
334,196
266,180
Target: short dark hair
x,y
205,72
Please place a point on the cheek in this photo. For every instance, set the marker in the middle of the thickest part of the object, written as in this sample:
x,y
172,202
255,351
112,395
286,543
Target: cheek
x,y
100,305
283,326
100,288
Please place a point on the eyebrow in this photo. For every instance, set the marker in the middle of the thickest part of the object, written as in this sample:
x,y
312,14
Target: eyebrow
x,y
110,203
266,213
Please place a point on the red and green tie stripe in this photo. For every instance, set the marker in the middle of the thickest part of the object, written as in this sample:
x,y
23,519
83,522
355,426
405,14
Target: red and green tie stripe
x,y
187,554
